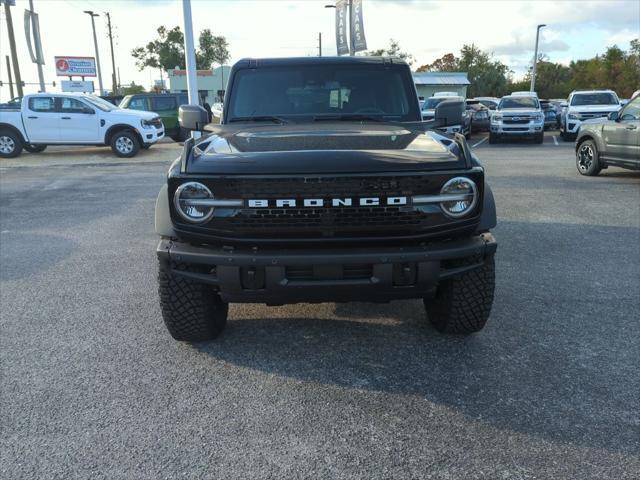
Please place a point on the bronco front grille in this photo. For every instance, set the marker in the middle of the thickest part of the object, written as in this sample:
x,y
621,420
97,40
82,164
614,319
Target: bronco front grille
x,y
329,221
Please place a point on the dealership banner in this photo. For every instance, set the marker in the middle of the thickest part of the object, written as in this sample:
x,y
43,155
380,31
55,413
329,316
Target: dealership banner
x,y
77,86
75,66
358,42
341,27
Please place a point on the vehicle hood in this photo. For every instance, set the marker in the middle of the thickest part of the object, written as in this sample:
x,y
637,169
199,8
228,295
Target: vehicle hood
x,y
339,147
132,114
594,108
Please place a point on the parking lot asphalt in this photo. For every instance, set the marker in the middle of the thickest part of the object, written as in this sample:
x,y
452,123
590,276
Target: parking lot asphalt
x,y
92,385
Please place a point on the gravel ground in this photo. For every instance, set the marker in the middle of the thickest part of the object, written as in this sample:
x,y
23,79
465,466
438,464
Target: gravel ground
x,y
92,385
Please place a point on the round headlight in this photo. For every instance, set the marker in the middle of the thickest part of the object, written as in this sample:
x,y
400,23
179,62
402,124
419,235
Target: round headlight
x,y
190,201
460,196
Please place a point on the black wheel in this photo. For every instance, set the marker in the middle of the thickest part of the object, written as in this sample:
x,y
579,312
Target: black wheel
x,y
34,148
567,137
192,311
10,144
493,138
463,303
125,144
539,138
587,160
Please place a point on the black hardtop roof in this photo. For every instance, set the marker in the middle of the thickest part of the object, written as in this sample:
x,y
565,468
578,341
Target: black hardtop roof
x,y
347,60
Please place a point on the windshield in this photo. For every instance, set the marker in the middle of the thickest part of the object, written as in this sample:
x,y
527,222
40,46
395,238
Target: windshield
x,y
304,92
518,102
603,98
100,103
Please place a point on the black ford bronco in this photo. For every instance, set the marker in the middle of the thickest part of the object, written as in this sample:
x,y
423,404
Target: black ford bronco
x,y
322,183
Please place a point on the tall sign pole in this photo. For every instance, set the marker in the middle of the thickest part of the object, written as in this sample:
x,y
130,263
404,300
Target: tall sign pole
x,y
190,54
10,80
535,60
12,46
95,44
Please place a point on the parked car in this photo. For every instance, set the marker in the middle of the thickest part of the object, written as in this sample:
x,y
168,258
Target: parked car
x,y
306,194
165,105
490,102
550,114
611,140
584,105
517,116
428,113
479,115
44,119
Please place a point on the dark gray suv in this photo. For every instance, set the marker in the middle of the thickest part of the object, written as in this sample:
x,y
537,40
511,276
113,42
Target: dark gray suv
x,y
612,140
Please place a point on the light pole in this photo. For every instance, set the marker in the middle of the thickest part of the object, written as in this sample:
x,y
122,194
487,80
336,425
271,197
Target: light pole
x,y
535,60
95,44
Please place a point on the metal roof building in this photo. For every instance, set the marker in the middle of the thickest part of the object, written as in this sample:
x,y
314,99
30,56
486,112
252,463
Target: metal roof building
x,y
428,83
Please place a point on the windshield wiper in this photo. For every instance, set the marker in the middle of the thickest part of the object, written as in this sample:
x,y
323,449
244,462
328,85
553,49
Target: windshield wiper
x,y
259,118
347,118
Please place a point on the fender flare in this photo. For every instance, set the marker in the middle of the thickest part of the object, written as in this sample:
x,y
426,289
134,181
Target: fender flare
x,y
489,218
12,128
120,126
163,224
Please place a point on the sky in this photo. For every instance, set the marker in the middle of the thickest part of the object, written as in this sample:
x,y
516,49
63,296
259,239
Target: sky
x,y
280,28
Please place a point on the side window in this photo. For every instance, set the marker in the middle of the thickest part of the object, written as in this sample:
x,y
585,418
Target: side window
x,y
163,104
71,105
139,103
631,111
42,104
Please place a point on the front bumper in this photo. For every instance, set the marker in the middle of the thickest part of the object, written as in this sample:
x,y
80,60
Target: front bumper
x,y
151,135
518,129
319,275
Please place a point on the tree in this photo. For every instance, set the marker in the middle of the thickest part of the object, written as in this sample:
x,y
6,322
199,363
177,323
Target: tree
x,y
446,63
167,51
393,51
133,89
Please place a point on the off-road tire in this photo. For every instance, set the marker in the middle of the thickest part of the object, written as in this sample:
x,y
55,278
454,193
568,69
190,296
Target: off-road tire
x,y
539,138
589,167
34,148
191,310
128,137
462,304
493,138
11,145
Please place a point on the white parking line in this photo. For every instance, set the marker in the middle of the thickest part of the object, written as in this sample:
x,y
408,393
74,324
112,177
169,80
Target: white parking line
x,y
555,140
476,144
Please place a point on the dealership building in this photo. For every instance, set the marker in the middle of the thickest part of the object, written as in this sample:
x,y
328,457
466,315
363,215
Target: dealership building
x,y
211,83
428,83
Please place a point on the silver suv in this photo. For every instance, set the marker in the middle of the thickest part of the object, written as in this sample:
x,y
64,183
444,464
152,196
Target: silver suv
x,y
517,116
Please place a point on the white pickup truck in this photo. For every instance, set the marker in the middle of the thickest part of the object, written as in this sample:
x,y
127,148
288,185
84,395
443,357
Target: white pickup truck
x,y
70,119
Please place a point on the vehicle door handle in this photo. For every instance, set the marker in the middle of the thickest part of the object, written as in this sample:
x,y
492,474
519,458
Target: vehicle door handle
x,y
32,118
65,118
631,127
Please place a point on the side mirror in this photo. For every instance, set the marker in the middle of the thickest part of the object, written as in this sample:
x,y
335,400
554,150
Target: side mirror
x,y
449,112
192,117
613,116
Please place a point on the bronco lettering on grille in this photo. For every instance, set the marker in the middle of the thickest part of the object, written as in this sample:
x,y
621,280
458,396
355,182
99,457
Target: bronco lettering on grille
x,y
326,202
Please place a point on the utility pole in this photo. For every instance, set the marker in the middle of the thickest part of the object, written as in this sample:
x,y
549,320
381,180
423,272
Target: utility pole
x,y
95,44
114,83
38,45
12,46
319,44
535,60
10,80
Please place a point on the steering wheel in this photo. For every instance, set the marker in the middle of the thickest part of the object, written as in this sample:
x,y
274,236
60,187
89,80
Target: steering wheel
x,y
369,110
